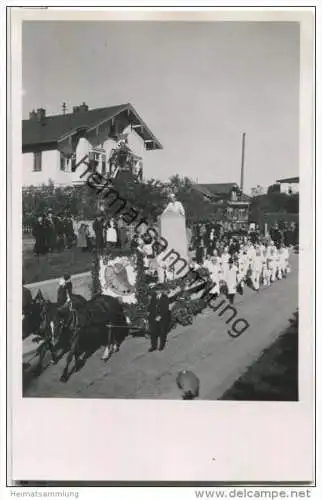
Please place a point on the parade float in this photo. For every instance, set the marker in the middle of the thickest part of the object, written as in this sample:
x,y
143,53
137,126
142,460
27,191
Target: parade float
x,y
132,277
128,279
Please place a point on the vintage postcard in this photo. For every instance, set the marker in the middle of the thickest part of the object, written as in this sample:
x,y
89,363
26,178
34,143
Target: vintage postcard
x,y
161,181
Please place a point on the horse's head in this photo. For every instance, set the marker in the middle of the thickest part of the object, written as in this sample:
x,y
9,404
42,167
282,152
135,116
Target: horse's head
x,y
39,296
33,316
45,318
44,310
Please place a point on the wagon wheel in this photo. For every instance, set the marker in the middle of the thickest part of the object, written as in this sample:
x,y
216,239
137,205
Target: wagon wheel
x,y
140,325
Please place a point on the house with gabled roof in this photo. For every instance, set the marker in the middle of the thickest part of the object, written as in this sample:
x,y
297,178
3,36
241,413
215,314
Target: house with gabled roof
x,y
53,146
230,204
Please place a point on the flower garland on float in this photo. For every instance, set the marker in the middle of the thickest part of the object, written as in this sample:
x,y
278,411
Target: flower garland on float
x,y
133,287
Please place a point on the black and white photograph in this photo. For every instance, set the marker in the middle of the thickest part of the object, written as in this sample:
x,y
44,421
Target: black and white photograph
x,y
161,245
160,210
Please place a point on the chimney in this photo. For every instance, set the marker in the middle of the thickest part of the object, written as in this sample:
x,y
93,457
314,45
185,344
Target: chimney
x,y
33,115
79,109
38,115
242,173
41,114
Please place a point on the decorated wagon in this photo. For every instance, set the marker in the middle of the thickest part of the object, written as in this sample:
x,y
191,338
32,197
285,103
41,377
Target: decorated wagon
x,y
126,277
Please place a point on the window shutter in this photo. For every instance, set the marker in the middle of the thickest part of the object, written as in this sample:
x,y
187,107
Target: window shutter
x,y
62,162
37,161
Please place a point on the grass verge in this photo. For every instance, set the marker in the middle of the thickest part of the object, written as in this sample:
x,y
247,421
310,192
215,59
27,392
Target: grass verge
x,y
274,376
55,265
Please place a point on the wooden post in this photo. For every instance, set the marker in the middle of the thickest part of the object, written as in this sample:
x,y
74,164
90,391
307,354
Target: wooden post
x,y
242,163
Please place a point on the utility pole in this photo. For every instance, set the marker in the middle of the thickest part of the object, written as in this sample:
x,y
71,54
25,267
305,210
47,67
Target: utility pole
x,y
242,163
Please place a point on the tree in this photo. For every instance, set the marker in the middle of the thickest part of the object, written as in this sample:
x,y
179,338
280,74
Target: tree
x,y
257,191
273,202
148,197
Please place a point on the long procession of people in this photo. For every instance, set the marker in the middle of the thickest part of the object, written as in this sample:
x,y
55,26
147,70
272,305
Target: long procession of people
x,y
232,261
258,264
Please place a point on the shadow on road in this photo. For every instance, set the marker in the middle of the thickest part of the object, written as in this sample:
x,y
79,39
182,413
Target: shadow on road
x,y
274,376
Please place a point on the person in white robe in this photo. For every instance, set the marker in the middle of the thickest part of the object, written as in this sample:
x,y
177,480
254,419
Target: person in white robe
x,y
147,250
231,280
257,269
207,262
111,234
174,206
273,262
225,257
214,270
161,269
279,263
251,254
242,267
173,228
261,247
286,253
266,271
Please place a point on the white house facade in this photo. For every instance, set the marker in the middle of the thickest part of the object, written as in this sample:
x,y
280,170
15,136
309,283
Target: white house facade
x,y
289,185
289,188
54,146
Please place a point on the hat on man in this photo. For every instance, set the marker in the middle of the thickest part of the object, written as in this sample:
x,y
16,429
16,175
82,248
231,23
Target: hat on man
x,y
159,287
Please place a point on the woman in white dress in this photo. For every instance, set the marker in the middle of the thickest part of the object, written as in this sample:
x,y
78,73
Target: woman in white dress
x,y
257,269
231,280
242,268
225,257
279,263
286,260
214,270
111,235
274,262
266,272
271,260
82,237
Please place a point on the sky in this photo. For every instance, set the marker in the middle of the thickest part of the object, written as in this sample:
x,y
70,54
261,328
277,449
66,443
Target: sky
x,y
197,85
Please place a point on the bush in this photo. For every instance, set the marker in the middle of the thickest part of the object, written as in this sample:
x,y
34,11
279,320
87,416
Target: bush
x,y
77,201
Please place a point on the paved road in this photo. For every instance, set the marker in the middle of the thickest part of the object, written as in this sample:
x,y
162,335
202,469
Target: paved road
x,y
204,347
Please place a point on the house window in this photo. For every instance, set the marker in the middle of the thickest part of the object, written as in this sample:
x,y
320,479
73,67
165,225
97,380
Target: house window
x,y
73,163
62,162
233,195
103,164
93,160
67,164
242,214
37,161
97,160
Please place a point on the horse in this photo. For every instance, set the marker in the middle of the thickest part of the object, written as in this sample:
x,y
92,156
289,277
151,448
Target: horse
x,y
61,320
49,323
101,321
35,323
31,313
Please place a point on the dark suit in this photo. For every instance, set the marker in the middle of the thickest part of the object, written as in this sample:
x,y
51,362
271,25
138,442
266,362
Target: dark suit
x,y
40,232
62,299
26,300
159,319
98,226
